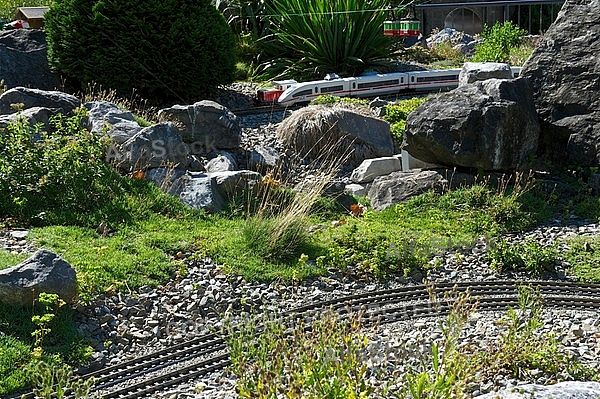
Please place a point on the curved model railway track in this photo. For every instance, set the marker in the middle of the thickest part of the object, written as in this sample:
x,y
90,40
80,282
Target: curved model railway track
x,y
169,367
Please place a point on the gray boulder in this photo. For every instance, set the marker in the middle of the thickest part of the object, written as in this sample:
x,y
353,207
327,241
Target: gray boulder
x,y
44,271
207,191
322,131
233,183
262,159
205,123
223,162
169,180
562,390
564,71
30,98
200,192
155,146
475,71
119,123
398,187
33,116
489,125
24,60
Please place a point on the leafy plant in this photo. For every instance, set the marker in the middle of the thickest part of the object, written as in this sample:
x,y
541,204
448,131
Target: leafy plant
x,y
498,42
176,49
396,114
323,359
523,347
321,37
528,255
49,303
583,258
329,99
56,380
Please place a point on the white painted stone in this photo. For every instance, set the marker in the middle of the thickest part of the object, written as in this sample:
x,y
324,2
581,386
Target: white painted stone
x,y
369,169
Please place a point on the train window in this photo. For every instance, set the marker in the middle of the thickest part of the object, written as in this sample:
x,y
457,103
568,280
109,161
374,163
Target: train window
x,y
302,93
331,89
441,78
412,78
378,84
401,80
354,85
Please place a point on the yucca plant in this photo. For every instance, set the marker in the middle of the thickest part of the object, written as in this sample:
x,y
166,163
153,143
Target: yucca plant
x,y
313,37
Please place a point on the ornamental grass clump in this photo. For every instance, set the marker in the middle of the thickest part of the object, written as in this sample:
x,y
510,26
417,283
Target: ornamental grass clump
x,y
276,224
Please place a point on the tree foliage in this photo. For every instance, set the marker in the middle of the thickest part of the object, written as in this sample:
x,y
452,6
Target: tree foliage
x,y
159,48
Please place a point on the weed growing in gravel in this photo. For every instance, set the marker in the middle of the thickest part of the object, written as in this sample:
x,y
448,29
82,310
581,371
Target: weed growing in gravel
x,y
523,347
528,255
446,371
318,360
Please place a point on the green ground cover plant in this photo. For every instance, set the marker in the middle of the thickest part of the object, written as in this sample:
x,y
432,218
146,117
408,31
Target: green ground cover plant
x,y
396,114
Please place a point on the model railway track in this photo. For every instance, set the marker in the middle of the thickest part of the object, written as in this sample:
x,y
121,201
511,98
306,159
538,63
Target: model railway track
x,y
190,360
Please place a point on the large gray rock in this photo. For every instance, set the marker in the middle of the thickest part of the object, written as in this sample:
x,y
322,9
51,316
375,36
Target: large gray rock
x,y
262,159
30,98
475,71
322,131
200,192
33,116
24,61
399,187
205,123
207,191
562,390
564,71
119,123
489,125
44,271
155,146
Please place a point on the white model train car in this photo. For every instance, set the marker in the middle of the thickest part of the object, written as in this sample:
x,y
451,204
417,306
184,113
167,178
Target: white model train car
x,y
372,85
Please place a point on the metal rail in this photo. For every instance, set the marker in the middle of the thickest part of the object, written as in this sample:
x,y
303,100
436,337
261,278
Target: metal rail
x,y
208,353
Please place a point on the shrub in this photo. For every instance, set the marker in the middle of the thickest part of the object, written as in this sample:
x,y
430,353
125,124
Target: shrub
x,y
322,37
160,48
396,115
498,42
528,255
58,172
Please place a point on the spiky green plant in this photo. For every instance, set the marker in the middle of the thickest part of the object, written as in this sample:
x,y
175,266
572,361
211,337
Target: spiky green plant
x,y
326,36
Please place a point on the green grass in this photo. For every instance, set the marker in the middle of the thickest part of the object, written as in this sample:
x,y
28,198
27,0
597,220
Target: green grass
x,y
8,259
9,7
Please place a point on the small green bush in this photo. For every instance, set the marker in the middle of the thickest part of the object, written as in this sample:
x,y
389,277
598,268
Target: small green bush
x,y
329,99
528,255
44,173
396,115
499,40
159,49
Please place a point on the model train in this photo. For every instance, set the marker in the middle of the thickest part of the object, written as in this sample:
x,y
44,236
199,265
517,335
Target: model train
x,y
290,92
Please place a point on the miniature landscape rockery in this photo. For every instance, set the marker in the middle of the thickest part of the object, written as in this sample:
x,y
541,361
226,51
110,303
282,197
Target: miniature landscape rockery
x,y
206,155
